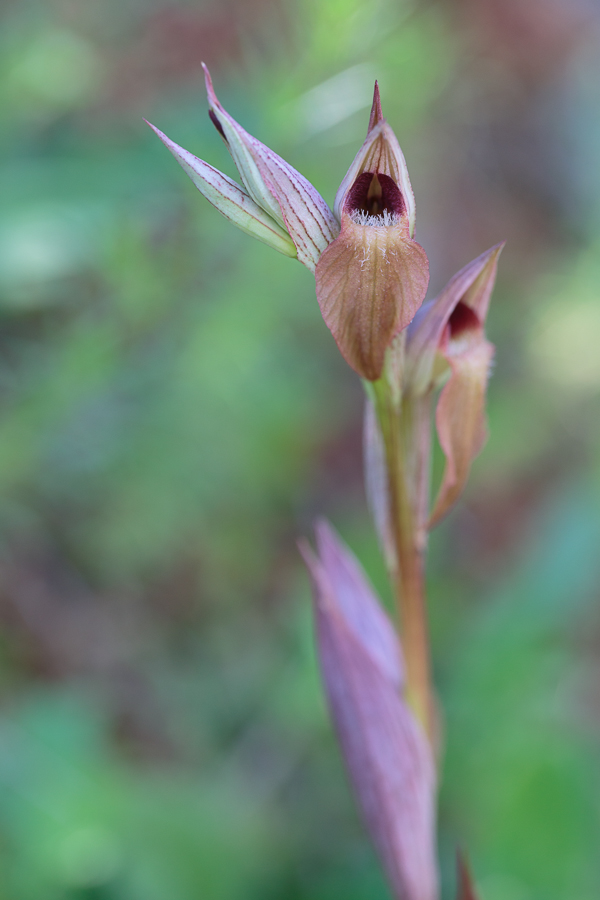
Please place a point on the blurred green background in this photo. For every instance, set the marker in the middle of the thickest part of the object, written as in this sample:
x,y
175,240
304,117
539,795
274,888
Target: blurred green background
x,y
174,413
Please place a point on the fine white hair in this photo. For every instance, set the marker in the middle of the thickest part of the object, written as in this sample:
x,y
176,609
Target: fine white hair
x,y
360,217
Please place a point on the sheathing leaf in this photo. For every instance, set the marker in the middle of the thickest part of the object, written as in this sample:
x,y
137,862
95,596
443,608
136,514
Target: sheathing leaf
x,y
387,755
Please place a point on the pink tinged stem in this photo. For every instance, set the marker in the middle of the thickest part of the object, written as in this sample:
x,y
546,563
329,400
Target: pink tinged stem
x,y
387,755
466,890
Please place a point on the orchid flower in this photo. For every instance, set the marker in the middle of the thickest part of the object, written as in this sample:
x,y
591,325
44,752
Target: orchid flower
x,y
446,342
276,204
371,276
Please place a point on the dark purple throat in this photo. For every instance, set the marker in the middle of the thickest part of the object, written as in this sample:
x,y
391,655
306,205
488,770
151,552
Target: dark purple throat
x,y
375,194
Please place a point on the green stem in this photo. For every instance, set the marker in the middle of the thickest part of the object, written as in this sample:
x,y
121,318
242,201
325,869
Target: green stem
x,y
404,426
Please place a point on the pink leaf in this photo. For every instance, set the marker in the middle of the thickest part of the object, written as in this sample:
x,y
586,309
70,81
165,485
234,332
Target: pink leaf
x,y
387,755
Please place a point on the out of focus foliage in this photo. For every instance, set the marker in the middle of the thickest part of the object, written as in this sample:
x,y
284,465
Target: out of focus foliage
x,y
173,413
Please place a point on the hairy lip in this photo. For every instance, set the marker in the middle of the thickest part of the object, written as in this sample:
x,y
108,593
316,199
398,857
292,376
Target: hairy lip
x,y
385,220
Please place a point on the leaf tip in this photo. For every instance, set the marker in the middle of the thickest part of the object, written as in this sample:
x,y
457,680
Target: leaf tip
x,y
212,97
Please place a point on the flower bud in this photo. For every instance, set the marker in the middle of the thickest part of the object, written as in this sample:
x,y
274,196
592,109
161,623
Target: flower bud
x,y
275,186
278,206
230,199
